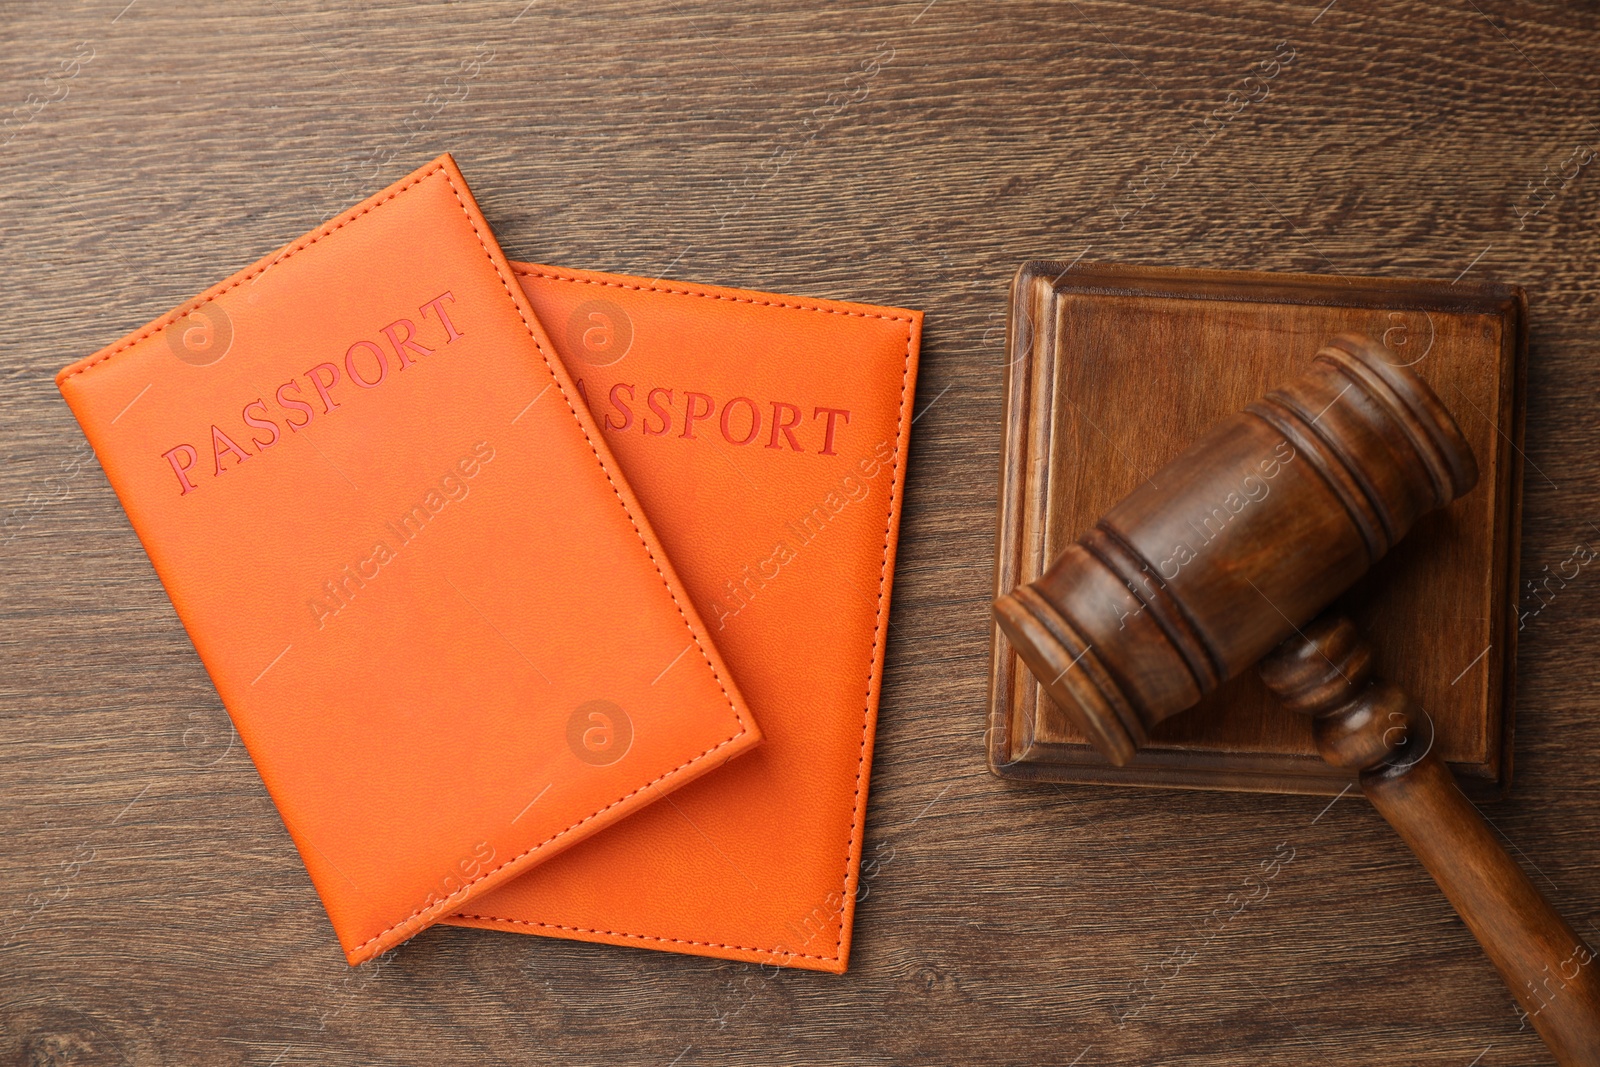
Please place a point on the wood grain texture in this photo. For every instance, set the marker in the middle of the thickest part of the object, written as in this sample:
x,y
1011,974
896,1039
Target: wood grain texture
x,y
153,908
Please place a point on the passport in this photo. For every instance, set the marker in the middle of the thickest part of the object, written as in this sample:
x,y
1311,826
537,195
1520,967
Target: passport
x,y
441,621
766,436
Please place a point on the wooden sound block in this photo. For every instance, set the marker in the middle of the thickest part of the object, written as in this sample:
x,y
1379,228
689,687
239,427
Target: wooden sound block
x,y
1113,370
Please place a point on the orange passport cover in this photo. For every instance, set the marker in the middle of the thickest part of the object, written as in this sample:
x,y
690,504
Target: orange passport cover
x,y
766,437
436,613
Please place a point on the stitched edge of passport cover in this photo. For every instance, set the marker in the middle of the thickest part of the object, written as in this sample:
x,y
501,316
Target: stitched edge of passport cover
x,y
837,961
747,731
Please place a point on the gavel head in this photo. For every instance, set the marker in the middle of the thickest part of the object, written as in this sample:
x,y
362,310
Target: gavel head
x,y
1241,539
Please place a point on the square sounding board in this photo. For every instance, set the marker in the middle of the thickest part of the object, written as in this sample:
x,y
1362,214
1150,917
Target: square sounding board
x,y
1113,370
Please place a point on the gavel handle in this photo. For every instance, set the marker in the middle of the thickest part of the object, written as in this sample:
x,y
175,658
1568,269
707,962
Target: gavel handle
x,y
1550,970
1373,727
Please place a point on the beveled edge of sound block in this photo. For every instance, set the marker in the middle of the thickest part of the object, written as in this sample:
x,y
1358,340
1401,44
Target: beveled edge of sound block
x,y
1024,477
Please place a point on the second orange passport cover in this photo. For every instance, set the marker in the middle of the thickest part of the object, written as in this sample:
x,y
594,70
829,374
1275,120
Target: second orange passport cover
x,y
766,437
434,609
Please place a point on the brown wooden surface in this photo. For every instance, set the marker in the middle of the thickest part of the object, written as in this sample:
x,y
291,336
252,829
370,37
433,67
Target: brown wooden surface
x,y
1182,350
154,910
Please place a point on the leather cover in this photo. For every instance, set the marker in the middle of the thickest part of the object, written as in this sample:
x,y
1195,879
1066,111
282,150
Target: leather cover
x,y
766,436
443,627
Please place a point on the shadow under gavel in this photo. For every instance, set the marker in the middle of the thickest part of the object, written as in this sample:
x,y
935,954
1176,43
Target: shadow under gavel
x,y
1231,551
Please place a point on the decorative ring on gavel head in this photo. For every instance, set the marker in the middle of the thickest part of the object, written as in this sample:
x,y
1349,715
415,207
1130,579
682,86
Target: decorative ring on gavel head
x,y
1245,536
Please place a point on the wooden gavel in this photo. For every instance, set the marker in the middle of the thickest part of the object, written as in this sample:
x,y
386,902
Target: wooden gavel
x,y
1230,551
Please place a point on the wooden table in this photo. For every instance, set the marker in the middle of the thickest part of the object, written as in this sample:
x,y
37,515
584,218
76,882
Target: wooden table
x,y
153,909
